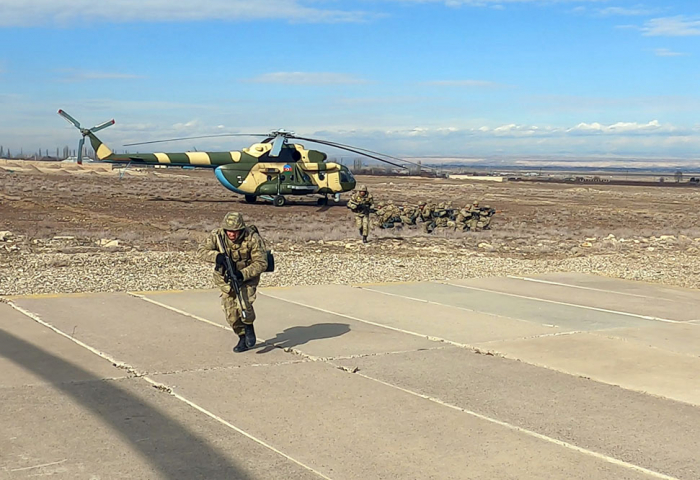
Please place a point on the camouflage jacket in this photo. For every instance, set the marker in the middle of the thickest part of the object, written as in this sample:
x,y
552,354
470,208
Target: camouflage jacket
x,y
247,252
360,205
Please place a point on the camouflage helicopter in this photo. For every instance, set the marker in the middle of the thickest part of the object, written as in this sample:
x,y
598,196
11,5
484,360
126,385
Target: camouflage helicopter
x,y
269,170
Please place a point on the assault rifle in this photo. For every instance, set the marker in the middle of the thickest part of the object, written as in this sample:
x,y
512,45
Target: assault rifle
x,y
229,274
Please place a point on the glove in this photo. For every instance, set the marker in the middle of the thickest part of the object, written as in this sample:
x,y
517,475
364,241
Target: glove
x,y
239,276
220,258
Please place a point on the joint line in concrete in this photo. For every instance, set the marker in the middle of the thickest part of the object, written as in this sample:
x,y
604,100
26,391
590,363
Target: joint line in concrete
x,y
604,310
165,388
530,433
549,282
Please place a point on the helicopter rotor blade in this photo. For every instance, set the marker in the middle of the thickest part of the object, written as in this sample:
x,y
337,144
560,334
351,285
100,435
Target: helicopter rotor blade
x,y
200,136
69,119
351,149
364,151
102,126
277,146
80,150
341,145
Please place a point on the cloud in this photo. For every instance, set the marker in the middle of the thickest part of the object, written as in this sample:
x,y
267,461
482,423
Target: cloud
x,y
84,76
307,78
463,83
627,12
678,26
665,52
15,13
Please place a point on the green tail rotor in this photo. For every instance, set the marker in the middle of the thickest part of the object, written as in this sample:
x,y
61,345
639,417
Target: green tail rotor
x,y
84,131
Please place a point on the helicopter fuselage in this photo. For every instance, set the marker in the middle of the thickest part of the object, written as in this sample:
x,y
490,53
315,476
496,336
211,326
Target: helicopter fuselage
x,y
252,171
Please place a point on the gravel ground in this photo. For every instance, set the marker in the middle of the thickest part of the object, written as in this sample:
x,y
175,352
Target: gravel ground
x,y
142,271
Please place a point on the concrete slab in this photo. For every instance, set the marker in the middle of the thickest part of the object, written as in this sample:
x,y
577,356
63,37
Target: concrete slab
x,y
13,356
592,415
678,338
629,365
566,317
450,323
633,287
309,331
614,301
124,429
145,336
347,426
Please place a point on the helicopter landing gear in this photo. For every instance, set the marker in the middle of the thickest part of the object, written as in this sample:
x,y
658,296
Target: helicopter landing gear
x,y
278,201
250,198
322,202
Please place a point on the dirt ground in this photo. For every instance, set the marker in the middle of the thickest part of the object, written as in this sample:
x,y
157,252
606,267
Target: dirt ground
x,y
170,209
71,210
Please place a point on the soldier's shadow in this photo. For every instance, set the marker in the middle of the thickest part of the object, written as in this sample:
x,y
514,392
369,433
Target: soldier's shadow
x,y
295,336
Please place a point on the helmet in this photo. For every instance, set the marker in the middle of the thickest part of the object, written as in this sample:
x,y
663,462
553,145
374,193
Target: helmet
x,y
421,203
475,203
233,221
380,204
363,188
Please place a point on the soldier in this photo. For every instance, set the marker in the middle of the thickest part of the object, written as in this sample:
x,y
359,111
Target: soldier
x,y
361,205
485,216
246,248
475,214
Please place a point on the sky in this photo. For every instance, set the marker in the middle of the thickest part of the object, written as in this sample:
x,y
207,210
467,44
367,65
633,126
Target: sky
x,y
556,79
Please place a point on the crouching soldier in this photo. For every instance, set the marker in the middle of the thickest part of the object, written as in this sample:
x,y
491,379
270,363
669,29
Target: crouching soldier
x,y
246,248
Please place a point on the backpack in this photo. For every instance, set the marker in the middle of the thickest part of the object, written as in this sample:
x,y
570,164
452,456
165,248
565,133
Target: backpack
x,y
270,257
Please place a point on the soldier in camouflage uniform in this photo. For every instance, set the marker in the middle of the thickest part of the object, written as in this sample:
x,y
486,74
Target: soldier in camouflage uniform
x,y
361,205
474,215
246,248
485,216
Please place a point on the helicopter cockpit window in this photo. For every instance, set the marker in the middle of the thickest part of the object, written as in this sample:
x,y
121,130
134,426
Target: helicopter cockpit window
x,y
345,177
269,178
321,176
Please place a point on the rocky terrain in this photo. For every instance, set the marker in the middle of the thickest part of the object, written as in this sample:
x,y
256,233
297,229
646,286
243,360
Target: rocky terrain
x,y
81,229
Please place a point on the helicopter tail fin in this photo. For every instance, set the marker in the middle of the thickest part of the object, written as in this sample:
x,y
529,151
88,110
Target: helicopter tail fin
x,y
102,151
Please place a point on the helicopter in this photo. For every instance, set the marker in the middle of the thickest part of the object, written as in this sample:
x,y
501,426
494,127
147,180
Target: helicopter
x,y
269,170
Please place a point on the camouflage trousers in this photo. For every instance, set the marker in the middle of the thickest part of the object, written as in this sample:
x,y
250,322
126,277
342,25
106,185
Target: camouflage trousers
x,y
229,303
362,223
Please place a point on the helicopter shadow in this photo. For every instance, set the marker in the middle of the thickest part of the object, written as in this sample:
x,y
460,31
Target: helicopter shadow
x,y
295,336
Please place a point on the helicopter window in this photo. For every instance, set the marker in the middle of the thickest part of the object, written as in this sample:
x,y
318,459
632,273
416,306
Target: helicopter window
x,y
296,155
306,178
291,177
269,177
344,177
321,176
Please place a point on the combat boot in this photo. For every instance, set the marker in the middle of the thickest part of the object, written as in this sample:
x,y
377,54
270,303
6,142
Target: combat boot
x,y
249,336
241,347
364,238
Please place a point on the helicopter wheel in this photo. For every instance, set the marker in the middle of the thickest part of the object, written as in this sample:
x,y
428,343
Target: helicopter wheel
x,y
278,201
250,198
322,201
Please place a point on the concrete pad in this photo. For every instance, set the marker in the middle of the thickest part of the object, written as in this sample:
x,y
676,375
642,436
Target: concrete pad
x,y
145,336
679,338
309,331
633,287
613,361
591,415
347,426
13,355
124,429
566,317
450,323
639,305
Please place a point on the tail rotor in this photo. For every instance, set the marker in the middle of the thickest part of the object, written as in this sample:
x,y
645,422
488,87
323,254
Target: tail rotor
x,y
84,131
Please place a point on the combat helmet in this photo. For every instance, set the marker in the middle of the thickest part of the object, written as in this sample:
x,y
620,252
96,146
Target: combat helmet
x,y
363,188
233,221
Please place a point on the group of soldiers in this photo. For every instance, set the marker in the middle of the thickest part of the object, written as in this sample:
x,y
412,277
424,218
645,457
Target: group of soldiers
x,y
432,216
